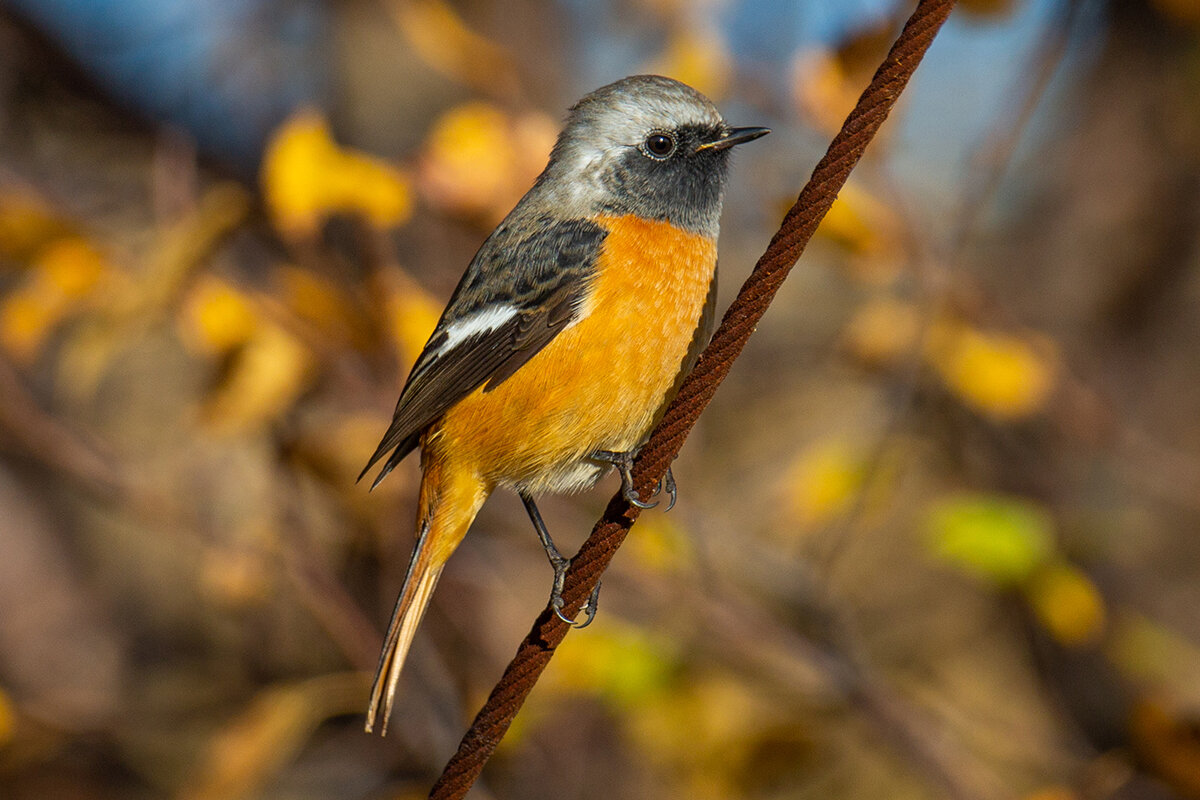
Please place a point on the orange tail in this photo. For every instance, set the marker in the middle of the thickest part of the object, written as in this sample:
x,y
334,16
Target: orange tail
x,y
449,502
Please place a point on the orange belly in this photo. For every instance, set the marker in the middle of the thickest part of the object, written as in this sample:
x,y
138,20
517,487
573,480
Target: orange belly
x,y
600,383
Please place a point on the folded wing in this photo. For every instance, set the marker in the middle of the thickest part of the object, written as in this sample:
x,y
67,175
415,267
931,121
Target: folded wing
x,y
524,286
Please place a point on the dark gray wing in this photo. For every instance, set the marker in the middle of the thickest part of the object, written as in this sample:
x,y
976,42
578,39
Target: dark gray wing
x,y
541,270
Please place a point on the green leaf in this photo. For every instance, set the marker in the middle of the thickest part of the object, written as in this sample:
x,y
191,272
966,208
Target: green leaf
x,y
995,537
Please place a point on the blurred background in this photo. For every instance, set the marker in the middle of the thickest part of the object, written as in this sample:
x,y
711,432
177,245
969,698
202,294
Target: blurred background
x,y
937,534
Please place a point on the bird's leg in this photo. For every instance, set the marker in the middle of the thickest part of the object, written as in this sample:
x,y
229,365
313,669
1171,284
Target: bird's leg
x,y
622,462
560,563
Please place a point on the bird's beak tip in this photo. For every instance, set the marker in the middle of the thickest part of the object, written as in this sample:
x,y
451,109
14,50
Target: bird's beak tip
x,y
735,136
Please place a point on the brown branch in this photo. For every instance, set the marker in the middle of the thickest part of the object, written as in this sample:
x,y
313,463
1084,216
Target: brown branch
x,y
738,324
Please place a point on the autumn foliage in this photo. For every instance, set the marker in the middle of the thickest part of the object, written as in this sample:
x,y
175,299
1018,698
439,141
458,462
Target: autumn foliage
x,y
947,499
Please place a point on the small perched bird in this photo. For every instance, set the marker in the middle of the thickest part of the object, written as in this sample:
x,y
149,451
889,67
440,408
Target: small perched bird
x,y
569,332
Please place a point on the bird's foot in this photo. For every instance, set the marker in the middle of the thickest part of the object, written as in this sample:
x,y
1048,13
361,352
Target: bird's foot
x,y
560,564
622,462
557,603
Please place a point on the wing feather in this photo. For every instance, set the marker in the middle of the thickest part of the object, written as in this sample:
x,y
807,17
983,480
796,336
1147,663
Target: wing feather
x,y
543,276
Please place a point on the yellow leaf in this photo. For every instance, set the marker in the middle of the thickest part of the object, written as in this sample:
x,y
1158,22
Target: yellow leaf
x,y
1164,738
1003,376
318,301
620,663
412,313
821,89
71,266
1149,652
1067,603
660,544
697,57
440,37
468,158
701,723
216,317
267,377
306,177
177,254
478,160
63,273
822,482
869,232
378,191
27,315
293,172
882,330
846,223
1004,539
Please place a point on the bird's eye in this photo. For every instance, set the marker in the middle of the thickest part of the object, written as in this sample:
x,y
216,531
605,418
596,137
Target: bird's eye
x,y
660,145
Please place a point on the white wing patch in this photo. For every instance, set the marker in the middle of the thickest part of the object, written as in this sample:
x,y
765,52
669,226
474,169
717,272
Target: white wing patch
x,y
482,321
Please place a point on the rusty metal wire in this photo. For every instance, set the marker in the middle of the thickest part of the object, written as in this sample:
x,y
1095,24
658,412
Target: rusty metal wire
x,y
714,364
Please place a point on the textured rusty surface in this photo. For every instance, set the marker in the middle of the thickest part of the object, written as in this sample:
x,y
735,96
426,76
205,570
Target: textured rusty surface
x,y
738,324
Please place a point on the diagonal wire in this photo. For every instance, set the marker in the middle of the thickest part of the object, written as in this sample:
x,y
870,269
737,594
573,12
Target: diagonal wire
x,y
714,364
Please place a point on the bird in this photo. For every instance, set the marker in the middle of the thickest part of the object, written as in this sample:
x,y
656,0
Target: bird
x,y
568,334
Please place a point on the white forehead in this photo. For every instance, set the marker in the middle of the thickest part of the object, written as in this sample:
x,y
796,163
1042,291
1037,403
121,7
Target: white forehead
x,y
622,113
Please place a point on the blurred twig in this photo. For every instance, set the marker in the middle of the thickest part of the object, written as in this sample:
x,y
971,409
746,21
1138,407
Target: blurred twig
x,y
46,439
1166,472
993,156
738,324
330,604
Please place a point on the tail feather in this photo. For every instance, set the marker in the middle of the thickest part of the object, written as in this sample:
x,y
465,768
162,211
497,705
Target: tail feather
x,y
414,598
449,501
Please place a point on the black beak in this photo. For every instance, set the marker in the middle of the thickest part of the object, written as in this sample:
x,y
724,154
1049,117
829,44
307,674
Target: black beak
x,y
734,136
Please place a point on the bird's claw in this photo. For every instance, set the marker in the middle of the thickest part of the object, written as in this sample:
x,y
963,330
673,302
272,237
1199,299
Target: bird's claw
x,y
557,603
668,482
622,462
632,498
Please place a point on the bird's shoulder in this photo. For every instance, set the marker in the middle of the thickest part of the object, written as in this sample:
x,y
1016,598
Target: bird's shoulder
x,y
525,260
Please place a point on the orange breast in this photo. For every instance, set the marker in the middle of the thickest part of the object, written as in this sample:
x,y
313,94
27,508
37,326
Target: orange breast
x,y
599,384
